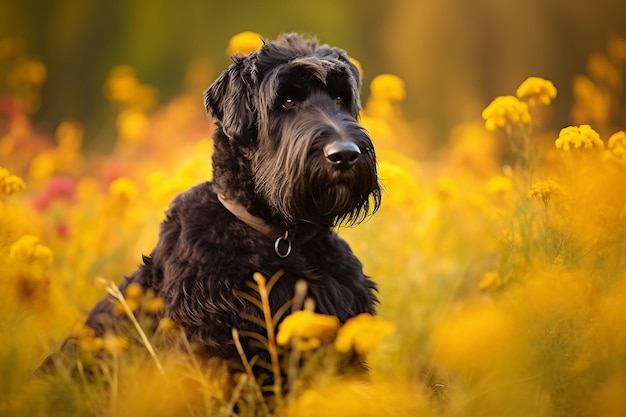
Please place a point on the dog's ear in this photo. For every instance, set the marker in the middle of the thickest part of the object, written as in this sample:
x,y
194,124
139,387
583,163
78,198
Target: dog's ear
x,y
230,100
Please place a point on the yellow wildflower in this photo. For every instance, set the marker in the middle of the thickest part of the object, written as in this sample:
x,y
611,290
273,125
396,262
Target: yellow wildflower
x,y
132,125
123,190
492,281
505,111
155,304
617,145
34,72
114,344
27,72
591,103
87,341
574,137
69,135
600,69
362,333
10,184
243,43
398,181
133,291
132,296
536,89
42,167
543,190
310,329
616,49
499,184
387,87
122,84
167,324
28,250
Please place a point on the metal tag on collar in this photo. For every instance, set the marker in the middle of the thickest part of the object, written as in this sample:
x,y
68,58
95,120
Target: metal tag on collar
x,y
277,245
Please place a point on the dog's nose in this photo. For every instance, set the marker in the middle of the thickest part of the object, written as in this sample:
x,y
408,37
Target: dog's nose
x,y
342,154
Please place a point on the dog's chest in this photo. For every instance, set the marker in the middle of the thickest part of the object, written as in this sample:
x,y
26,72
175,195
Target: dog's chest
x,y
217,255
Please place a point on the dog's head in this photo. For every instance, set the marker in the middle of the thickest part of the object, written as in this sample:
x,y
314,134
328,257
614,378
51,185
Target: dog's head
x,y
290,109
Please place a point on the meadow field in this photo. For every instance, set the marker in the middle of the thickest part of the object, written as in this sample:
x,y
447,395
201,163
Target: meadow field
x,y
500,254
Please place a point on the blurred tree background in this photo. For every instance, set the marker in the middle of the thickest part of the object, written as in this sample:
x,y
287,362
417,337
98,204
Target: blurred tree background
x,y
455,55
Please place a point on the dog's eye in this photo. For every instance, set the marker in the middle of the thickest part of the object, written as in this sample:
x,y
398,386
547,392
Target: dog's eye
x,y
338,100
289,103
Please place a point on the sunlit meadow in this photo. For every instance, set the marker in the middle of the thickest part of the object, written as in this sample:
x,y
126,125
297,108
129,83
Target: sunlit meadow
x,y
501,260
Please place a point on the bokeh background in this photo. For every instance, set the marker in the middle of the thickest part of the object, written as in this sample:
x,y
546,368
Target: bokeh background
x,y
499,247
454,55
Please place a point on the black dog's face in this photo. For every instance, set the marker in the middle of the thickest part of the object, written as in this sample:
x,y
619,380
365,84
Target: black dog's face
x,y
292,108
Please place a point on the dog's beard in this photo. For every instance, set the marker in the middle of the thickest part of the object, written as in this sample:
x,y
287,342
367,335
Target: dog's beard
x,y
325,197
337,203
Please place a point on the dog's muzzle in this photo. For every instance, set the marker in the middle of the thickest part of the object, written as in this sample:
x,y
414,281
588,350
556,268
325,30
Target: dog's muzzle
x,y
342,154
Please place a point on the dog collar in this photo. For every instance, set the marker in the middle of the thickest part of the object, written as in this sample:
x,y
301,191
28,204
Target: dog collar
x,y
259,225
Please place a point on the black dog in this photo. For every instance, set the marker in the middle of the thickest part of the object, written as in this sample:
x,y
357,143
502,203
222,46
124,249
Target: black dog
x,y
290,163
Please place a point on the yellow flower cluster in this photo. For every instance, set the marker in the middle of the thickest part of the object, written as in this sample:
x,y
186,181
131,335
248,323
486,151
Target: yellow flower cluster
x,y
28,250
578,137
543,190
492,280
69,136
136,98
90,344
30,273
10,184
499,184
508,111
123,190
64,159
362,333
28,72
24,74
87,341
387,87
243,43
505,111
134,297
617,146
536,90
309,329
385,90
133,125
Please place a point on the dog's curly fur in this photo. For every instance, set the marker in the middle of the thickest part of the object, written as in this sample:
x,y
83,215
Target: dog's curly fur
x,y
277,111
